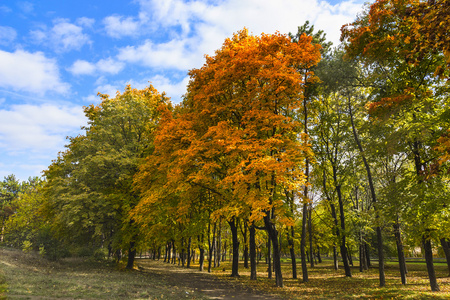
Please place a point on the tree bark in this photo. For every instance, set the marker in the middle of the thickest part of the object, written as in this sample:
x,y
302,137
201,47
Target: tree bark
x,y
252,252
131,255
269,257
244,234
290,239
344,254
303,241
426,238
188,263
202,252
273,235
183,252
446,247
310,232
210,248
430,267
234,234
366,248
400,253
169,251
174,253
219,244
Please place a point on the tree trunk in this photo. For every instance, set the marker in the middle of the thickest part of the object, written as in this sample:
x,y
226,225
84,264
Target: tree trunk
x,y
335,258
188,264
234,234
344,254
311,251
305,194
219,244
446,247
292,251
334,216
244,234
131,256
374,200
303,241
366,248
273,235
169,251
210,248
400,253
269,257
361,256
425,238
183,252
350,258
174,253
429,260
252,252
201,258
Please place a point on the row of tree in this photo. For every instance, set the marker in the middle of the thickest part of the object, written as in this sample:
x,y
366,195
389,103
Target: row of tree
x,y
280,136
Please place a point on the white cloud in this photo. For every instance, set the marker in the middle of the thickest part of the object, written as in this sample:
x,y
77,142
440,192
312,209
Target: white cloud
x,y
82,67
31,72
175,54
204,26
85,22
38,128
109,65
63,36
118,26
7,35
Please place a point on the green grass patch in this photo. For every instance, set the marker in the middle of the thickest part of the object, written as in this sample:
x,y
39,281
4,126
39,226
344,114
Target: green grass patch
x,y
29,275
326,283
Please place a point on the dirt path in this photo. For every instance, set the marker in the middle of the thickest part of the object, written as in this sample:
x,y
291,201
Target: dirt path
x,y
200,285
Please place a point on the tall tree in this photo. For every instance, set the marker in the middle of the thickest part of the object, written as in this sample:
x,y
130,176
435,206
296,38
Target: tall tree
x,y
90,185
244,139
318,38
404,88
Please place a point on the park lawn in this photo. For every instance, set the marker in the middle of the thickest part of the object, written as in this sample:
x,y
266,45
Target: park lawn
x,y
326,283
29,276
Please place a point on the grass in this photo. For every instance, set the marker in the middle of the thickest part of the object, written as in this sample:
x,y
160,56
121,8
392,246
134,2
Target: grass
x,y
29,276
326,283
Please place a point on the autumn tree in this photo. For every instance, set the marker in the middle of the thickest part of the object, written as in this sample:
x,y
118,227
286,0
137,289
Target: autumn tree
x,y
240,138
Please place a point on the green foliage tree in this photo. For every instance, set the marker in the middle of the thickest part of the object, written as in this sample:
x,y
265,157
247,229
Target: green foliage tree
x,y
89,191
10,189
406,95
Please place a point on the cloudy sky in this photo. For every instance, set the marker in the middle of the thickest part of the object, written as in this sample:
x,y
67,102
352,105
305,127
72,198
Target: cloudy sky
x,y
56,55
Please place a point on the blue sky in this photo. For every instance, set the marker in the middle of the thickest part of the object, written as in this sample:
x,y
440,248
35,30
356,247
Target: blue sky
x,y
56,55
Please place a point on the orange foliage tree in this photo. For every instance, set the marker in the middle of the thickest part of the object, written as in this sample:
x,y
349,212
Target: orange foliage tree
x,y
235,136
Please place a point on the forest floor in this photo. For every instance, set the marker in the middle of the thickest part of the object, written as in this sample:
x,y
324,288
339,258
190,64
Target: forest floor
x,y
29,276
